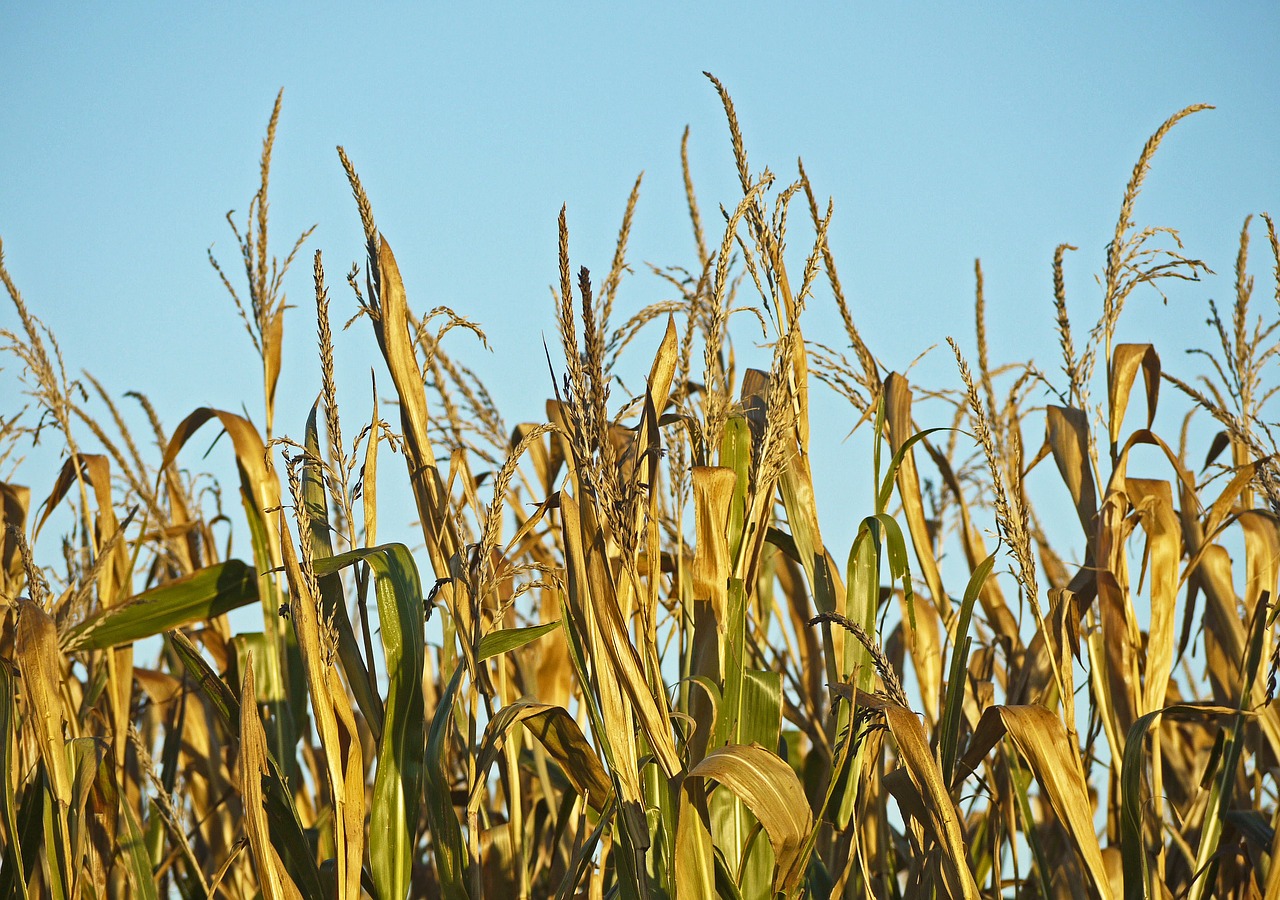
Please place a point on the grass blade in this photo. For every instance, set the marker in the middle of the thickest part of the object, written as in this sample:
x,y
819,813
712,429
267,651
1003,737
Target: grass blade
x,y
773,793
198,597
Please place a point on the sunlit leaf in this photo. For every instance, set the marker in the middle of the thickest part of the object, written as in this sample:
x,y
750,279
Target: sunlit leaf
x,y
770,789
504,640
202,595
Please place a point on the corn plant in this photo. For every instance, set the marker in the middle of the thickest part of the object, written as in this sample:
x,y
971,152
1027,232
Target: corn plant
x,y
620,659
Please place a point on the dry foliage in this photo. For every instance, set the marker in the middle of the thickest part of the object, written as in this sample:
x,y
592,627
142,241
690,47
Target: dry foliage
x,y
649,676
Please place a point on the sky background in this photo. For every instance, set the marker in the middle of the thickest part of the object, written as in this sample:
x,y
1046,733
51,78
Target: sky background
x,y
944,133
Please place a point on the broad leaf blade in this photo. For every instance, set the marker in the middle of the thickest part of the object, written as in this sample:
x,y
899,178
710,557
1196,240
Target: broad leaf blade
x,y
200,596
773,793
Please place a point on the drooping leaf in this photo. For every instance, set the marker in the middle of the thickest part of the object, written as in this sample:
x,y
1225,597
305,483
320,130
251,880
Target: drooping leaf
x,y
560,736
41,664
1126,359
1067,435
940,809
1042,741
902,435
14,503
773,793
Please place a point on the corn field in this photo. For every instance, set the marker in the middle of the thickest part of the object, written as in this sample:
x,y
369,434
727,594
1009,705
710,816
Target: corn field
x,y
620,660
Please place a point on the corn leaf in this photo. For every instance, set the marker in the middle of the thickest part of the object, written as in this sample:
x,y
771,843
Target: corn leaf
x,y
1042,741
949,726
940,810
41,664
560,736
773,793
198,597
12,880
504,640
446,832
272,880
332,596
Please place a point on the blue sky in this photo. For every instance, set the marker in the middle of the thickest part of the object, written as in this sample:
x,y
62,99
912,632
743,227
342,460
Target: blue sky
x,y
943,132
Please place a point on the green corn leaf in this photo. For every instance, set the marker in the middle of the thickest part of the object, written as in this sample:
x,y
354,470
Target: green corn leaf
x,y
862,598
899,563
886,484
726,730
1133,852
214,689
199,596
735,453
397,783
949,727
760,721
446,831
133,845
283,822
504,640
332,596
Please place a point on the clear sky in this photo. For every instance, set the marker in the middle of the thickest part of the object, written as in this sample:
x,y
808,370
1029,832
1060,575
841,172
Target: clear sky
x,y
944,133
